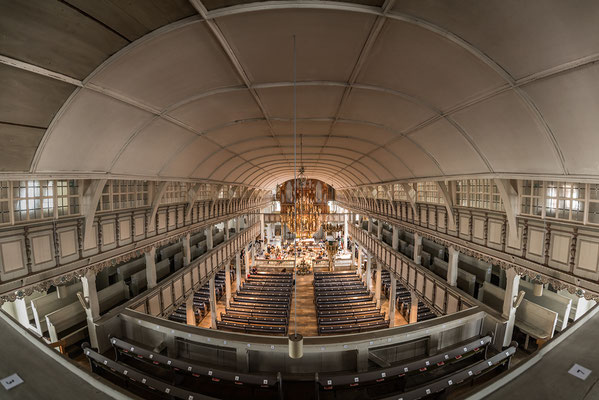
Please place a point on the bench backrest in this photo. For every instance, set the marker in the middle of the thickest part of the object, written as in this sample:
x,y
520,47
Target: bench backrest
x,y
170,251
553,301
538,317
139,281
466,280
482,270
436,250
580,305
528,315
50,302
125,271
425,258
197,238
74,314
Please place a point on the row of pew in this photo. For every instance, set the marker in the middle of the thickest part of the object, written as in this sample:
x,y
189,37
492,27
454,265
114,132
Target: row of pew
x,y
201,300
538,317
344,304
61,319
168,260
261,305
403,300
153,375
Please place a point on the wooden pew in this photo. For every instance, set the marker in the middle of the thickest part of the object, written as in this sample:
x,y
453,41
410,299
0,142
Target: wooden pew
x,y
580,305
170,251
481,269
553,301
68,323
125,271
435,250
329,380
532,319
139,282
466,280
50,302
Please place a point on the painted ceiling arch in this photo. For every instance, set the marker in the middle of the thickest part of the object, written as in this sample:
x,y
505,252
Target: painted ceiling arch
x,y
408,90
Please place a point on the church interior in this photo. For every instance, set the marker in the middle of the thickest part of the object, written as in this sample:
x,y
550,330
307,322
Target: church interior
x,y
299,199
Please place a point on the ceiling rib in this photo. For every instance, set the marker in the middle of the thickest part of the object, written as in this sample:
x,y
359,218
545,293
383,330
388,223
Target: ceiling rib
x,y
364,53
220,37
523,81
276,163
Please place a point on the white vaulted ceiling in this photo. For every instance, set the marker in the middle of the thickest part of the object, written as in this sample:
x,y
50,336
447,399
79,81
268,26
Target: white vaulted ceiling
x,y
411,89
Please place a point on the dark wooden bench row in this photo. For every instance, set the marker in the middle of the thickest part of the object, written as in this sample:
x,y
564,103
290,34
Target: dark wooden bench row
x,y
152,384
330,380
266,320
252,328
350,319
195,369
353,328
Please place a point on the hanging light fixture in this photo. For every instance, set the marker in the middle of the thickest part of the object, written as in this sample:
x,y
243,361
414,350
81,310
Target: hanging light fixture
x,y
296,341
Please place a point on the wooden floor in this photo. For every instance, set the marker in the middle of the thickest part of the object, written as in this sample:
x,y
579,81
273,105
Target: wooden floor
x,y
306,309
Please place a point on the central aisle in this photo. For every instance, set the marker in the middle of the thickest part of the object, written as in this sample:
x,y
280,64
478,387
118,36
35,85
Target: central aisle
x,y
306,310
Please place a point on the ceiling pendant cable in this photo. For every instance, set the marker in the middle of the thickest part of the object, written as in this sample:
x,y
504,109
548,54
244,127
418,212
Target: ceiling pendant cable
x,y
296,342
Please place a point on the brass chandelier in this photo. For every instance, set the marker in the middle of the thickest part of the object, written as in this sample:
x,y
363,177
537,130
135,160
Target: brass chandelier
x,y
303,217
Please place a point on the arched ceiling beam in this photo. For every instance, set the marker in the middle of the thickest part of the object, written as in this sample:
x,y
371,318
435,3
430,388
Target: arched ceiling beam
x,y
280,175
228,49
383,12
281,171
342,7
255,176
331,161
362,57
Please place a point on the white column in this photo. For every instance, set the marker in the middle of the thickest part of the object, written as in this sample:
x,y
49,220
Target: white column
x,y
452,266
377,288
186,249
345,232
509,311
92,311
417,248
238,271
237,224
262,227
368,271
253,253
228,283
392,300
151,267
360,262
191,317
91,294
212,303
395,240
226,223
21,311
379,229
247,259
209,239
369,224
414,309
